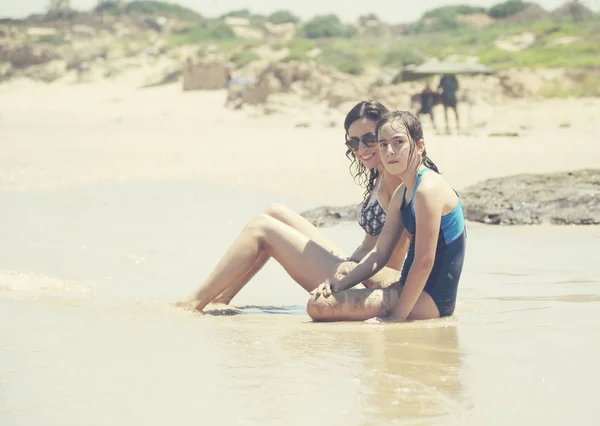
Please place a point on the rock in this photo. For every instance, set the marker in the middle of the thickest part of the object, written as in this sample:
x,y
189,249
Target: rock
x,y
23,56
330,215
47,72
156,23
569,198
259,93
559,198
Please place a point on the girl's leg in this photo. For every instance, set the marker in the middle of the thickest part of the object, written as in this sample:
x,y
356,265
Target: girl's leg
x,y
307,262
364,304
292,219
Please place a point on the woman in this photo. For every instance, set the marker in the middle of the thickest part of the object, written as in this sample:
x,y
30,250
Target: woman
x,y
307,255
426,206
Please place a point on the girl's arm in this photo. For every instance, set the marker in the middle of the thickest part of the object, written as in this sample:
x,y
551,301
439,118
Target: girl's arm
x,y
429,206
364,248
379,256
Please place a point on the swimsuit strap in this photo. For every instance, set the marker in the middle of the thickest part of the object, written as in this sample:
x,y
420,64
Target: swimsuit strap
x,y
419,176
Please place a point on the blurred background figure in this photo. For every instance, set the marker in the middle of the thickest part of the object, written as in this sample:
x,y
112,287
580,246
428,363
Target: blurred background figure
x,y
428,99
447,89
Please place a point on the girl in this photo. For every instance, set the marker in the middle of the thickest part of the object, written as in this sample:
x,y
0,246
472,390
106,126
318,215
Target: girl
x,y
307,255
431,211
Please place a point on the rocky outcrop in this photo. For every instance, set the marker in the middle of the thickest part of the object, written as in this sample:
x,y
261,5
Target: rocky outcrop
x,y
569,198
24,55
310,80
330,215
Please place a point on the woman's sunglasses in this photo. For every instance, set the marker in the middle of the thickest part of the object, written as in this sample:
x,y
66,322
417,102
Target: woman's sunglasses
x,y
369,139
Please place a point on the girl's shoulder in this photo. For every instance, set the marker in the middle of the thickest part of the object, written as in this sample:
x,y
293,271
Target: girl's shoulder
x,y
435,185
431,180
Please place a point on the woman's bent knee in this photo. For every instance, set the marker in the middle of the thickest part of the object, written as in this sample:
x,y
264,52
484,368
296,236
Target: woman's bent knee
x,y
277,211
259,225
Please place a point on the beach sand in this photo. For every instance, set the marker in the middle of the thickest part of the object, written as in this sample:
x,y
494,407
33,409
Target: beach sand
x,y
116,200
57,135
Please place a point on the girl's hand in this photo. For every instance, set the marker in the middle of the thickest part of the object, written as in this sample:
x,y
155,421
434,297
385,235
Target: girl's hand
x,y
327,288
342,269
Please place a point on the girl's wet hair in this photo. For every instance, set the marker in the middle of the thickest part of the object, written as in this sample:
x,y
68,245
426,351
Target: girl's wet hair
x,y
374,111
412,125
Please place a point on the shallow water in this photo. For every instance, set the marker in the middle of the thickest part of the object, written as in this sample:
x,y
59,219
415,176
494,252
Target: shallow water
x,y
87,336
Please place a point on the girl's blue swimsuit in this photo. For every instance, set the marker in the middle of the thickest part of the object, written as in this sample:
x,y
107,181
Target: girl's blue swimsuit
x,y
442,284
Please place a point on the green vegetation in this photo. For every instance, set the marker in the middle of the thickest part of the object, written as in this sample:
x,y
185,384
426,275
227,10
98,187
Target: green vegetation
x,y
283,17
402,54
440,33
169,10
243,58
452,11
54,39
205,32
508,8
345,60
327,26
241,13
299,48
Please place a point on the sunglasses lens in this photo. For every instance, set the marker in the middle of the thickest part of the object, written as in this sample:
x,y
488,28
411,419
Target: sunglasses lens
x,y
369,139
352,143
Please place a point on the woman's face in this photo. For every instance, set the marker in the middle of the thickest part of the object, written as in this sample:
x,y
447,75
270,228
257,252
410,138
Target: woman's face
x,y
363,130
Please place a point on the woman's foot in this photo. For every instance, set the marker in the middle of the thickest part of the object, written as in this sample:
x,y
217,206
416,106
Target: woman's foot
x,y
189,305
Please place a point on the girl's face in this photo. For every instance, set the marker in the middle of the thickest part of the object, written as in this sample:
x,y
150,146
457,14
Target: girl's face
x,y
363,142
394,148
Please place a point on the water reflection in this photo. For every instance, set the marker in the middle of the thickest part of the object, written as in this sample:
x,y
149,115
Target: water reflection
x,y
397,373
414,373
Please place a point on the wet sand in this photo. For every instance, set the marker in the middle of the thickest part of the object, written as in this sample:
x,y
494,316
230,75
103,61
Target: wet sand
x,y
105,221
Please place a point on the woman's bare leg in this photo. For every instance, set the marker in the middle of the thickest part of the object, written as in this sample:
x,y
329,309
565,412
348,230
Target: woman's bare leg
x,y
292,219
296,221
307,262
364,304
230,292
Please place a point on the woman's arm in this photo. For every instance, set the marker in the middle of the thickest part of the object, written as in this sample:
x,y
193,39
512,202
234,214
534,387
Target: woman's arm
x,y
428,211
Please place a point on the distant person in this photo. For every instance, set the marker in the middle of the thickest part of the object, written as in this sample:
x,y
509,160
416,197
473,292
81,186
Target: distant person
x,y
447,88
228,75
430,210
428,101
304,252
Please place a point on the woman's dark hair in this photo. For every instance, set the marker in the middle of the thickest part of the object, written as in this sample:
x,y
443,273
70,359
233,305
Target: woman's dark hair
x,y
371,110
414,130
